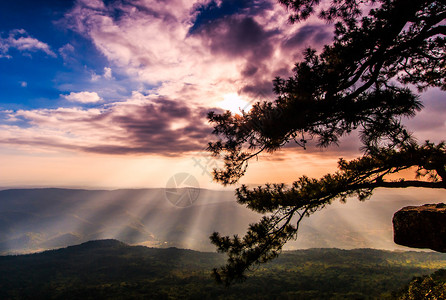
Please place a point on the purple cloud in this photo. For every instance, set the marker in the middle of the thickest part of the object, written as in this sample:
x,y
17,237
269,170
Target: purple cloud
x,y
137,126
310,35
190,55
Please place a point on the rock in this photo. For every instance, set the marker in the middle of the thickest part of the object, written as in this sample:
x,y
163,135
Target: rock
x,y
421,226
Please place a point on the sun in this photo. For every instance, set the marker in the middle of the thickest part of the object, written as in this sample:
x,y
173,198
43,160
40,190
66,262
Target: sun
x,y
234,103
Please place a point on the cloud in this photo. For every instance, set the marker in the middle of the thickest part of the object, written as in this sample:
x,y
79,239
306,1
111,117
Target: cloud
x,y
83,97
139,125
309,35
155,44
190,55
108,73
429,123
66,51
238,37
20,40
95,77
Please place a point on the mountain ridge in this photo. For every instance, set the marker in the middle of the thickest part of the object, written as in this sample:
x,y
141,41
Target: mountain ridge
x,y
47,218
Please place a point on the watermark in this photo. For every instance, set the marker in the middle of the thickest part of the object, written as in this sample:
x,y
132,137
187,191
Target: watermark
x,y
182,190
206,162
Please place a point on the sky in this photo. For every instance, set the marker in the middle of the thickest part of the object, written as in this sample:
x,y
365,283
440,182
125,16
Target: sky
x,y
114,94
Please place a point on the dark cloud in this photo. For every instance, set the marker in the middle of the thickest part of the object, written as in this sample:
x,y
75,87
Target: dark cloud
x,y
174,109
257,71
239,37
151,129
259,91
249,70
160,126
308,35
243,37
283,72
260,88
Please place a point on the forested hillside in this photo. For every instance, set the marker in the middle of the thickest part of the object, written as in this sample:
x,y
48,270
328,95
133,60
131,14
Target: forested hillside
x,y
110,269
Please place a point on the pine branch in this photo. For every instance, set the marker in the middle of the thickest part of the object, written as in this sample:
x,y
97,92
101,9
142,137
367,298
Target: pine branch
x,y
359,177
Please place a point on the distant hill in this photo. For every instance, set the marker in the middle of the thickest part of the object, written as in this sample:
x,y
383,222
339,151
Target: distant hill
x,y
38,219
110,269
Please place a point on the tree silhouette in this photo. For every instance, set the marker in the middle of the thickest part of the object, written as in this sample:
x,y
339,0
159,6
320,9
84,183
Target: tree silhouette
x,y
364,80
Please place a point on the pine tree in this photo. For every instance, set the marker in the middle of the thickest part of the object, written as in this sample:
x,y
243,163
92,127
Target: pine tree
x,y
371,76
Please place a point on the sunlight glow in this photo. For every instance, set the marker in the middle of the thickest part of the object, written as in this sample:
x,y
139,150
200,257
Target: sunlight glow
x,y
234,103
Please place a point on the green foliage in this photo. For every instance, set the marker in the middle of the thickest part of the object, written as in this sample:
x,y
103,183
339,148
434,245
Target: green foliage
x,y
360,82
112,270
431,287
